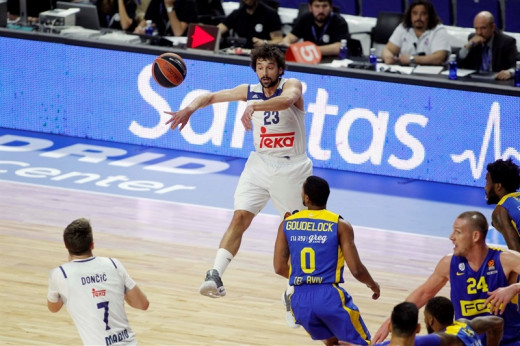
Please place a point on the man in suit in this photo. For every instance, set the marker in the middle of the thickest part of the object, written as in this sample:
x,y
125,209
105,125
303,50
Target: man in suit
x,y
488,49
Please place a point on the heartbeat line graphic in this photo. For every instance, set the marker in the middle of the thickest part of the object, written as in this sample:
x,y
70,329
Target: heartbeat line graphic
x,y
493,123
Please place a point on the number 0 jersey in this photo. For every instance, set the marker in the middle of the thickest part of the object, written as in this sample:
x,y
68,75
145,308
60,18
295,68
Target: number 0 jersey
x,y
316,257
277,133
469,291
93,291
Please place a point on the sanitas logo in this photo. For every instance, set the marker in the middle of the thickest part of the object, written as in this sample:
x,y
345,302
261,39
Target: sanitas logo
x,y
492,124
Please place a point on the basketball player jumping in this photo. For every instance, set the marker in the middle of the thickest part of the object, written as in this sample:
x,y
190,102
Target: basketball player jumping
x,y
278,167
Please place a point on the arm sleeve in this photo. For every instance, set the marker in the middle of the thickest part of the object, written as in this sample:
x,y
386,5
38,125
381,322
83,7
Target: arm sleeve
x,y
230,20
129,282
275,23
397,35
53,294
340,30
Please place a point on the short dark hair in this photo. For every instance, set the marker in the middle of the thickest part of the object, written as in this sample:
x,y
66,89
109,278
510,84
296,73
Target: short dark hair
x,y
268,52
329,1
476,220
317,189
77,237
442,309
506,173
405,317
433,18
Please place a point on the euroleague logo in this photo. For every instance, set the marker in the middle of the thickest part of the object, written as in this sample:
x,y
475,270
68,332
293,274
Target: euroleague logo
x,y
276,140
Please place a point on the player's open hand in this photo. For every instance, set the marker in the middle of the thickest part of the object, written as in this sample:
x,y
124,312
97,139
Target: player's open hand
x,y
246,118
382,332
179,118
499,298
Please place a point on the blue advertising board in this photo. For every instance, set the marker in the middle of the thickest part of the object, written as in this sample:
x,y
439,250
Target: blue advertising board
x,y
361,125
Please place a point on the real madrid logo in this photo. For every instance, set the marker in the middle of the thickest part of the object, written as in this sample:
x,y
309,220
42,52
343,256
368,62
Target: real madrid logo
x,y
462,266
326,38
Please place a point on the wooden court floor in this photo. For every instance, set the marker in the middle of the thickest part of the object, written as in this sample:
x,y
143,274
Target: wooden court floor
x,y
167,248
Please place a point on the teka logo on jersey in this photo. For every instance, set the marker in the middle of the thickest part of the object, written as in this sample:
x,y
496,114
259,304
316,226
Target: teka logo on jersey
x,y
276,140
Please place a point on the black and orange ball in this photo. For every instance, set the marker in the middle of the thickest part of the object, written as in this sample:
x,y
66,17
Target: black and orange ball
x,y
169,70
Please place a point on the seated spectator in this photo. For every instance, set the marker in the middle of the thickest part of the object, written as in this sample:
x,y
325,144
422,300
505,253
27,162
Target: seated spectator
x,y
254,21
34,8
117,14
439,319
420,39
488,49
321,26
170,17
209,9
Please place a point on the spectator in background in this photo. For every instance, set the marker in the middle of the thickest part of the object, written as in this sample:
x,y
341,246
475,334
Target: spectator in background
x,y
420,39
209,9
34,8
254,21
170,17
321,26
117,14
488,49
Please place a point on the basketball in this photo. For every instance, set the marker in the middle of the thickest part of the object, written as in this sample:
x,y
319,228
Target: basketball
x,y
169,70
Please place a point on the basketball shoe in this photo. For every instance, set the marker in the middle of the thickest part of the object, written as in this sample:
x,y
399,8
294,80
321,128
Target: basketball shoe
x,y
289,317
212,285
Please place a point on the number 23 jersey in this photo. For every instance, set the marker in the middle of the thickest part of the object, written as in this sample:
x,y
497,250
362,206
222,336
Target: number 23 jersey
x,y
277,133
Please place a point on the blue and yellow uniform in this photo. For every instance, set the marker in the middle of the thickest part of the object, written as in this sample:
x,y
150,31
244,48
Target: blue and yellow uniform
x,y
469,291
511,202
319,304
465,333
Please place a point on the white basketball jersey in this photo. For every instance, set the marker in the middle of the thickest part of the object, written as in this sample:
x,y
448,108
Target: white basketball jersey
x,y
93,291
277,133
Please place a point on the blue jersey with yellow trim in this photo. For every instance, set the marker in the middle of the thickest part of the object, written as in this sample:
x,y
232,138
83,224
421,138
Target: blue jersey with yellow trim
x,y
465,333
316,257
469,291
511,202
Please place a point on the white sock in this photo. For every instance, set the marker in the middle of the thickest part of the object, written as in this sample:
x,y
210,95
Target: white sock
x,y
222,260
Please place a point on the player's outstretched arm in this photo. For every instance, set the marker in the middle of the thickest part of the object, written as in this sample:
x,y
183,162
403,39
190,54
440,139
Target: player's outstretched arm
x,y
182,116
137,299
291,95
354,264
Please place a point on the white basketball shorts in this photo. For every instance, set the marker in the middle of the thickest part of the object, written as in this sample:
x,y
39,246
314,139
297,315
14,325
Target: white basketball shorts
x,y
280,179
